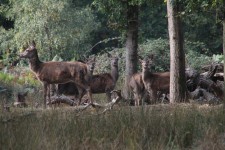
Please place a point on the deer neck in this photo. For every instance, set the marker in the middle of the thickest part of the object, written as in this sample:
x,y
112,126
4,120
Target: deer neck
x,y
114,73
34,63
146,74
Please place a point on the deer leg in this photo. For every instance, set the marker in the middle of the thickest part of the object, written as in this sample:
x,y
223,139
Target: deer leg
x,y
154,96
89,94
151,95
141,99
108,94
81,93
45,93
48,94
137,99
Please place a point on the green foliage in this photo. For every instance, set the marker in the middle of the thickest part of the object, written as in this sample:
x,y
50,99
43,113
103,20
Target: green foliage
x,y
196,56
160,49
103,61
196,60
18,80
153,21
25,78
218,58
196,25
58,27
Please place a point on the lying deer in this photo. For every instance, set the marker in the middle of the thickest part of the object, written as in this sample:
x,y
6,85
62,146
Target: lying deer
x,y
154,82
59,72
100,83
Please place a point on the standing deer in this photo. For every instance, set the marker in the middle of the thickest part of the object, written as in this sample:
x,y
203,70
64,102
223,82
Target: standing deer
x,y
59,72
137,86
154,82
106,82
100,83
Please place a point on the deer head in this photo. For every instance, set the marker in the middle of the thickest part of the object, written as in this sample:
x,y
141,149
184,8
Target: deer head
x,y
146,63
30,52
114,61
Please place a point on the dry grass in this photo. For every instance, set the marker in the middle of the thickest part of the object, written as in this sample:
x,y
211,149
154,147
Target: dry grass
x,y
182,126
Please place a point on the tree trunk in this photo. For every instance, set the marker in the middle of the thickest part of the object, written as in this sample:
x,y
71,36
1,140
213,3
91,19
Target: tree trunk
x,y
178,92
224,52
131,45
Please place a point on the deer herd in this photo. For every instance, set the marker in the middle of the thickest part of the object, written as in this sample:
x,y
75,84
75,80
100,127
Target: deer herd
x,y
77,78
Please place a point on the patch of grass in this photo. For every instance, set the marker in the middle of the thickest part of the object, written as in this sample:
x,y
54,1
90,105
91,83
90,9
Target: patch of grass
x,y
150,127
28,79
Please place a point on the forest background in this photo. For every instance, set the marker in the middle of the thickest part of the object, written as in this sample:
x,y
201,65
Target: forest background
x,y
73,29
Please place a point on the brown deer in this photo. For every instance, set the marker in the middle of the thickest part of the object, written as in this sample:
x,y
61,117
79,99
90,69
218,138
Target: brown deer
x,y
100,83
154,82
137,86
59,72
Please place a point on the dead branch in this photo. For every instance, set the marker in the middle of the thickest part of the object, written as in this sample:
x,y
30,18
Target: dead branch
x,y
20,104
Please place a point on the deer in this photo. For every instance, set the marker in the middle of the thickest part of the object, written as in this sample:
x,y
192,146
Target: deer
x,y
154,82
53,72
137,86
100,83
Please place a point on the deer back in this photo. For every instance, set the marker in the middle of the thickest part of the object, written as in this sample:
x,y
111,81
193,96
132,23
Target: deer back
x,y
102,82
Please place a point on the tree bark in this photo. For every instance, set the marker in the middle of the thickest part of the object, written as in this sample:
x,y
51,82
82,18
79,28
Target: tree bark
x,y
224,53
131,45
178,92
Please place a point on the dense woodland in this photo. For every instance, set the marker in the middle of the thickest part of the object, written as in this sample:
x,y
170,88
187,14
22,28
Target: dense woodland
x,y
190,34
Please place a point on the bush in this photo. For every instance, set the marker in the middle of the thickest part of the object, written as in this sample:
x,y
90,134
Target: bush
x,y
16,82
160,49
196,53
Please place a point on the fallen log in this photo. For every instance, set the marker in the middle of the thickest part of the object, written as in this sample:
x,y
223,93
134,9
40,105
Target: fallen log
x,y
66,100
61,99
210,98
196,94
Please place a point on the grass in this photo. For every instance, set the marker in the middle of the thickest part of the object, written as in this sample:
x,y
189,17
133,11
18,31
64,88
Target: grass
x,y
157,127
182,126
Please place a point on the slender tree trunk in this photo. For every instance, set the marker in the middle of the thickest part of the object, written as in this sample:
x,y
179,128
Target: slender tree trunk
x,y
131,45
178,92
224,53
